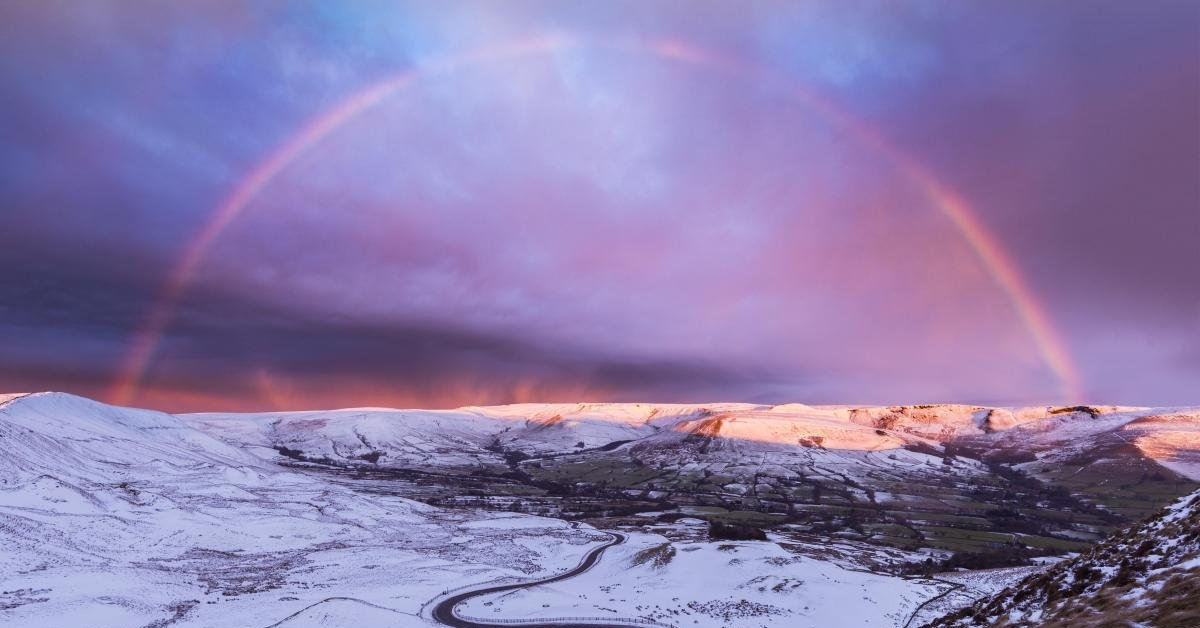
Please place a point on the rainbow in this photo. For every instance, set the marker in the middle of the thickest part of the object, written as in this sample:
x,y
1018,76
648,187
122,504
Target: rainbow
x,y
986,246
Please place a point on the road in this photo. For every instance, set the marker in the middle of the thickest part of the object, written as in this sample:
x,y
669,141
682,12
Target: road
x,y
444,611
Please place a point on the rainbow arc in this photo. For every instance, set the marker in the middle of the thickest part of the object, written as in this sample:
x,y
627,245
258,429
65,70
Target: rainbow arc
x,y
987,248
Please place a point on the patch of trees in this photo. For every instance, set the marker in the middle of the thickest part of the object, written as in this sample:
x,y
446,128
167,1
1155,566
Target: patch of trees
x,y
294,454
1011,455
1093,412
1009,520
734,532
513,458
923,448
1008,555
298,455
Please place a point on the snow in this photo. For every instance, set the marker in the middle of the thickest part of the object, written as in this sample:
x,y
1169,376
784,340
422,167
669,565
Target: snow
x,y
113,517
711,584
1138,565
123,517
1172,439
480,435
120,517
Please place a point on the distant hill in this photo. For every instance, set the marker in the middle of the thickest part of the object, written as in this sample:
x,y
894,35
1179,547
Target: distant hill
x,y
1000,485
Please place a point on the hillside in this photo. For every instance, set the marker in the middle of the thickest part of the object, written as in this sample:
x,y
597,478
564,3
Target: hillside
x,y
952,477
126,518
1148,575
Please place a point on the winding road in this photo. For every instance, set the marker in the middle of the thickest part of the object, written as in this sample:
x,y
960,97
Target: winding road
x,y
443,612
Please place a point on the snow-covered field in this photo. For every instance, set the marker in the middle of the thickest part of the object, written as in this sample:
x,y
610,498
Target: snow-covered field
x,y
712,584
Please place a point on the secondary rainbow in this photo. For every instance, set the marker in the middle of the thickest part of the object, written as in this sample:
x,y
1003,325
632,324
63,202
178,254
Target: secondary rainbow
x,y
986,247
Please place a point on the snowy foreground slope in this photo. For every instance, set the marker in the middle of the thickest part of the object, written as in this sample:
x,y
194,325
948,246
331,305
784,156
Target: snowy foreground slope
x,y
129,518
1148,575
700,583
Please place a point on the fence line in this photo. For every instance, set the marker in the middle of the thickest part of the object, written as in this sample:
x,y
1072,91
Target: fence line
x,y
490,583
543,620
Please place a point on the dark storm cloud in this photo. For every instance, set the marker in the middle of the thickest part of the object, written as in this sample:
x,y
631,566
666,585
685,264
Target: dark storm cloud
x,y
420,360
223,345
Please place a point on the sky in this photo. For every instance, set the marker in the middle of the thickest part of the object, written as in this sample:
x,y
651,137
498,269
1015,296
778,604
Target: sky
x,y
284,205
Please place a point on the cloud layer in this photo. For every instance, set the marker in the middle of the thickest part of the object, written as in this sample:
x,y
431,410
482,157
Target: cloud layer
x,y
594,221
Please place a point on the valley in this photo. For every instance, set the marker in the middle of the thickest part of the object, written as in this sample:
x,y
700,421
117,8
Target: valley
x,y
950,478
727,514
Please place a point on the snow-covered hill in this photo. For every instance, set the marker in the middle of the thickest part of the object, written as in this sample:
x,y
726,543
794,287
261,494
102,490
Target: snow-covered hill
x,y
126,518
83,439
909,475
1148,575
479,434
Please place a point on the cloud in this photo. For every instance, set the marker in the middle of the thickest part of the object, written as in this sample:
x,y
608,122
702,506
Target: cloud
x,y
222,350
593,222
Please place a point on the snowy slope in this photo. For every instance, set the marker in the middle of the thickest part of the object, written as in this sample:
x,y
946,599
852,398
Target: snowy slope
x,y
713,584
127,518
404,437
44,432
477,434
752,453
444,437
1148,575
1170,437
